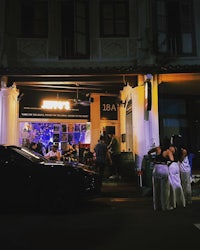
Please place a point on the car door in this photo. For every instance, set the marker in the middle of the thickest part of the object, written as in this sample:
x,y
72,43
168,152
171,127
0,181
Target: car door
x,y
15,177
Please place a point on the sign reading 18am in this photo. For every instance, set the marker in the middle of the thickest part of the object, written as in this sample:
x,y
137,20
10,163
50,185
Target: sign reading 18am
x,y
108,108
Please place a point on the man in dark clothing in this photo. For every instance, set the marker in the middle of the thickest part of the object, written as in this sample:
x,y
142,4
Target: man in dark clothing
x,y
101,156
114,152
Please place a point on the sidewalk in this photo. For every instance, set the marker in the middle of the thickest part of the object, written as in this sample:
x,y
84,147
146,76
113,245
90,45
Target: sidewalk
x,y
132,187
124,187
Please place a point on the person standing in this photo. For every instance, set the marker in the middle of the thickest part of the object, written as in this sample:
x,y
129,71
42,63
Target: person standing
x,y
184,167
177,197
114,156
185,170
101,157
160,177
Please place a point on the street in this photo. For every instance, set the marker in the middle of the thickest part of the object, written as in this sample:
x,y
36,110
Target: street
x,y
119,219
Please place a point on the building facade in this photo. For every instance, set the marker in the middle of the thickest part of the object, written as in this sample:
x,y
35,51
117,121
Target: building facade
x,y
135,63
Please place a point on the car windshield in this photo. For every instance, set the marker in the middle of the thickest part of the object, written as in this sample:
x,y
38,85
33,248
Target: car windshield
x,y
31,155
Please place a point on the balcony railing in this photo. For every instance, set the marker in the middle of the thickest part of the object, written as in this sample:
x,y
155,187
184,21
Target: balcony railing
x,y
34,48
173,46
103,49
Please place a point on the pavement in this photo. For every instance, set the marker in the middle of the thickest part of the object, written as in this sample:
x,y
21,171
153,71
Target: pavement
x,y
139,189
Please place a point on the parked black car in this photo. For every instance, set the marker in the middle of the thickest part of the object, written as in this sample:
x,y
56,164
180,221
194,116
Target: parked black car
x,y
27,178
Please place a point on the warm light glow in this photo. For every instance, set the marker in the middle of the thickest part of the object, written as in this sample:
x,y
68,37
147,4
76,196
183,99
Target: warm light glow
x,y
27,151
148,95
49,104
146,90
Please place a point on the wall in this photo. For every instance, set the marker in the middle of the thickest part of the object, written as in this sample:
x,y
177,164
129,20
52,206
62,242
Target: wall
x,y
145,130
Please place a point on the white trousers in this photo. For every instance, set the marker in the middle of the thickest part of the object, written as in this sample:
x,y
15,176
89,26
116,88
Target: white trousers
x,y
176,191
185,173
186,185
161,187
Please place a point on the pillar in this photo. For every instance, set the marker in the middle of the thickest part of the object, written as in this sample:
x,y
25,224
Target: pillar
x,y
9,110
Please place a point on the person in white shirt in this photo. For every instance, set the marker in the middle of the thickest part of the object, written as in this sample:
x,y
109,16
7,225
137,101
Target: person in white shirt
x,y
53,154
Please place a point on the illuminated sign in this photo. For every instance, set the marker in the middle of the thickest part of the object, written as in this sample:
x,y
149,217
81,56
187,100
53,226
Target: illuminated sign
x,y
45,105
49,104
109,108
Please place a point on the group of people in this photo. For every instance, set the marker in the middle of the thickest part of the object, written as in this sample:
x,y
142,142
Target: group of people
x,y
107,152
171,175
53,154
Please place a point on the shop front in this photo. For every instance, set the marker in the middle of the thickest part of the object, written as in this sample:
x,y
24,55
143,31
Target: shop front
x,y
50,119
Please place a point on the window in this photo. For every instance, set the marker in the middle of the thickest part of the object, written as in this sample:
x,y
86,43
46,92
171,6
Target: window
x,y
161,27
175,29
172,106
173,117
75,29
34,19
114,18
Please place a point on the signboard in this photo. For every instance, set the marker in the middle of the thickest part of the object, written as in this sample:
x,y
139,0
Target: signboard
x,y
31,107
109,108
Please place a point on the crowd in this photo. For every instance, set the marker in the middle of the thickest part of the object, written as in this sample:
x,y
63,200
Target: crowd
x,y
171,175
106,152
53,153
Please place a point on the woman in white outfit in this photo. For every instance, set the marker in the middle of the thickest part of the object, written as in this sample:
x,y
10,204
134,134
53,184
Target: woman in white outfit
x,y
185,170
160,178
184,167
177,197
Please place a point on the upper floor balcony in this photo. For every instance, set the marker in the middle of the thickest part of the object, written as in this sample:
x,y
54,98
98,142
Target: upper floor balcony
x,y
113,50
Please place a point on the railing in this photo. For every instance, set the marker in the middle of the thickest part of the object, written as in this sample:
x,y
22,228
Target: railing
x,y
34,48
100,49
173,46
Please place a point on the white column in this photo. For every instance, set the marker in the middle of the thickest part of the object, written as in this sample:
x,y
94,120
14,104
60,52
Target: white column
x,y
145,123
139,137
154,138
9,111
